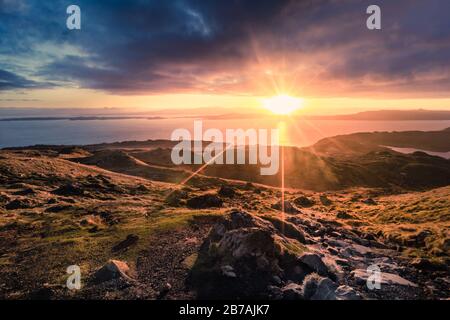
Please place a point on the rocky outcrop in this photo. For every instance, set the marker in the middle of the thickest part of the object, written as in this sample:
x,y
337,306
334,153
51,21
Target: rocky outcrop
x,y
205,201
244,255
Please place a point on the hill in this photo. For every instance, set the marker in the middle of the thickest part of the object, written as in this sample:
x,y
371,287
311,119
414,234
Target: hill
x,y
170,241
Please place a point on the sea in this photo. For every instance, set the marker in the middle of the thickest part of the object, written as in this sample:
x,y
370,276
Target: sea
x,y
296,132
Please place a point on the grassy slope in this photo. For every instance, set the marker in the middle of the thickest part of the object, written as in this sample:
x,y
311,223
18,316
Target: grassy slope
x,y
38,245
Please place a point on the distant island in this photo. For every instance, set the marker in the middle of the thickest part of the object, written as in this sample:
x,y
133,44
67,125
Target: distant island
x,y
379,115
87,118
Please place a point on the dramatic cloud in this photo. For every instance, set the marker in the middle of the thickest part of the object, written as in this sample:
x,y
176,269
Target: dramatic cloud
x,y
315,48
9,80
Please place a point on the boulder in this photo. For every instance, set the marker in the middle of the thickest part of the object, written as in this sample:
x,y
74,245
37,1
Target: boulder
x,y
288,229
226,191
303,201
315,263
361,276
316,287
114,269
325,290
205,201
241,258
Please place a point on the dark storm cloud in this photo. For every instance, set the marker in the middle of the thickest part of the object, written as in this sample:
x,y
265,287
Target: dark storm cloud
x,y
209,45
9,80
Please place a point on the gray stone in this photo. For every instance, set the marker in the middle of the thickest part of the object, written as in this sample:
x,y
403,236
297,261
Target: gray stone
x,y
362,275
314,262
325,290
114,269
292,291
347,293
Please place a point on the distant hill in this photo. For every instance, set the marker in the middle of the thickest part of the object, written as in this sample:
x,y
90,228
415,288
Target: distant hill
x,y
389,115
343,161
438,141
354,160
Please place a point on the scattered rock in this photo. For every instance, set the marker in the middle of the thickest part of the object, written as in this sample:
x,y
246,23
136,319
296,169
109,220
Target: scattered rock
x,y
370,202
19,204
205,201
288,207
428,265
114,269
176,198
344,215
287,228
347,293
59,208
303,201
226,191
130,240
310,284
325,290
164,291
292,291
4,198
25,192
141,189
108,218
314,262
228,271
362,275
325,201
69,190
418,240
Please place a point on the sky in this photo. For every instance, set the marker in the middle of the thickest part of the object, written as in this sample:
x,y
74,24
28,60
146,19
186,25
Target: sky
x,y
152,55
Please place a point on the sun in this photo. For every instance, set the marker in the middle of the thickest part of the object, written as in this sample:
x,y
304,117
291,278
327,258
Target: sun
x,y
282,104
